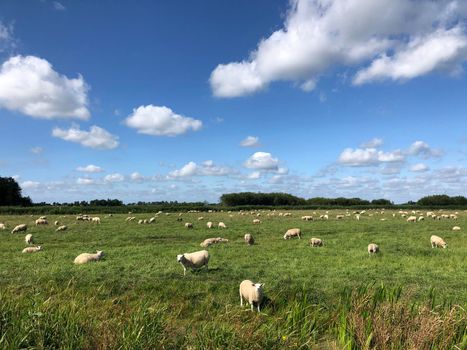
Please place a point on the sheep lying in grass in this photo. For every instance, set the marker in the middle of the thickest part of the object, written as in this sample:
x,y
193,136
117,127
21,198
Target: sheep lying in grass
x,y
2,226
456,228
20,228
87,257
316,242
437,241
32,249
189,225
373,248
28,239
293,232
194,260
207,242
222,225
249,239
41,221
61,228
209,224
252,293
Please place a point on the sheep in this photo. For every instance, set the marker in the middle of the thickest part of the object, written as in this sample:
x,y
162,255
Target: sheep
x,y
84,258
209,224
61,228
453,216
292,233
252,293
207,242
412,219
249,239
373,248
41,222
179,219
326,217
256,221
221,225
145,221
437,241
456,228
421,218
20,228
200,218
96,219
339,217
189,225
2,226
56,223
287,214
194,260
151,220
316,242
32,249
140,221
357,217
307,218
28,239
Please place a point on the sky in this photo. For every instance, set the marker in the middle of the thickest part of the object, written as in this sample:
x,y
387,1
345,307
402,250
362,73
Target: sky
x,y
187,100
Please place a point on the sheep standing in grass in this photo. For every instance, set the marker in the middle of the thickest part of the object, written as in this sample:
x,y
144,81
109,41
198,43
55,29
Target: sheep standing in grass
x,y
316,242
96,220
56,223
252,293
209,224
194,260
256,221
2,226
412,219
373,248
222,225
20,228
32,249
41,221
151,220
456,228
437,241
189,225
61,228
293,232
249,239
87,257
28,239
307,218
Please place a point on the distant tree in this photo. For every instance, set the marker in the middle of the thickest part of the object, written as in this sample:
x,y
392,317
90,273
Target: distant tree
x,y
381,201
10,193
442,200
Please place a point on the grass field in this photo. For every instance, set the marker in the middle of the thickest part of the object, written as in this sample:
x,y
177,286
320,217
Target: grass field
x,y
408,297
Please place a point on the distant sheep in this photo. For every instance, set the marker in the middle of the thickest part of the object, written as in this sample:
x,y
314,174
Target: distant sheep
x,y
87,257
140,221
194,260
151,220
96,220
421,218
412,219
28,239
200,218
41,221
209,241
373,248
189,225
32,249
249,239
339,217
61,228
20,228
221,225
252,293
357,217
307,218
437,241
209,224
2,226
316,242
256,221
56,223
456,228
293,232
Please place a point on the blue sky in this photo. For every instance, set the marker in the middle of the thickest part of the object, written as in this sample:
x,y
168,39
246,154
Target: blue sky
x,y
184,100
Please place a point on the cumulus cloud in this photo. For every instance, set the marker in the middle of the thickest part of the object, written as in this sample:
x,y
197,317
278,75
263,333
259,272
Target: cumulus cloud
x,y
254,175
422,149
90,169
411,39
31,86
85,181
59,6
373,143
419,168
161,121
116,177
262,161
96,137
30,185
37,150
207,168
250,141
137,177
368,157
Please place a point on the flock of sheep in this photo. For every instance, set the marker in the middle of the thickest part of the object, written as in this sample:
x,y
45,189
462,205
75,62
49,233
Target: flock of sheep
x,y
248,290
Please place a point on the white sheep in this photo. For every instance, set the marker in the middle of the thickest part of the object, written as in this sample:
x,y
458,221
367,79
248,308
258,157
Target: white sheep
x,y
326,217
339,217
189,225
140,221
87,257
256,221
200,218
437,241
221,225
207,242
41,221
249,239
307,218
316,242
61,228
32,249
456,228
421,218
96,219
28,239
2,226
373,248
56,223
209,224
293,232
252,293
412,219
357,217
151,220
194,260
20,228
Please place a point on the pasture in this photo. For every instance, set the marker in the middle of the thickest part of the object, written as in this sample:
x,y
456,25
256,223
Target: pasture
x,y
409,296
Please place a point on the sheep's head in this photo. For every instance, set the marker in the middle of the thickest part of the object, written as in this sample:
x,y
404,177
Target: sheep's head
x,y
258,286
39,247
180,257
445,245
100,253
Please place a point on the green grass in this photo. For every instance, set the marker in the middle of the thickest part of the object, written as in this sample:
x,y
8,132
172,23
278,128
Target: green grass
x,y
335,296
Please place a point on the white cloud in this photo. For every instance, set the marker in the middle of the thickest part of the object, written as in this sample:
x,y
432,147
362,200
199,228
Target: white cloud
x,y
160,121
419,168
85,181
137,177
412,38
30,185
116,177
7,40
37,150
250,141
59,6
29,85
262,161
373,143
207,168
90,169
422,149
187,170
368,157
254,175
96,137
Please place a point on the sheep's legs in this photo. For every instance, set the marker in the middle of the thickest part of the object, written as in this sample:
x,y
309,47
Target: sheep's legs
x,y
241,300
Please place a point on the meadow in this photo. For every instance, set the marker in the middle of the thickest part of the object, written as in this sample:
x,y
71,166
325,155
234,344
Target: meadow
x,y
409,296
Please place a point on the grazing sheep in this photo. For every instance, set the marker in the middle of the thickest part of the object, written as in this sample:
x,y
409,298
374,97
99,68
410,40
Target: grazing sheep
x,y
287,214
437,241
96,219
28,239
32,249
209,224
145,221
326,217
293,232
189,225
339,217
56,223
179,219
373,248
249,239
421,218
221,225
151,220
252,293
256,221
412,219
307,218
87,257
200,218
20,228
316,242
193,260
61,228
207,242
357,217
41,222
456,228
140,221
2,226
